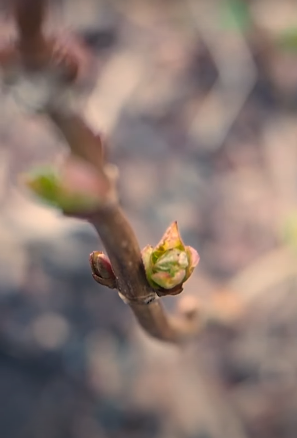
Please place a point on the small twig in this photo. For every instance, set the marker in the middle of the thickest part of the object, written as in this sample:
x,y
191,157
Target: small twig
x,y
109,221
124,253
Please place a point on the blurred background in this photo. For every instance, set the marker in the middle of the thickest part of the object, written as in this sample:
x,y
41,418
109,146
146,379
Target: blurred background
x,y
198,103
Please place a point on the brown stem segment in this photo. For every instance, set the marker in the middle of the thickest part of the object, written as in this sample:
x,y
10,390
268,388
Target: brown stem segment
x,y
153,319
29,16
84,142
124,253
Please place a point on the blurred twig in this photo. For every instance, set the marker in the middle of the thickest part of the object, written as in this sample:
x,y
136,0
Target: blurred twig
x,y
236,75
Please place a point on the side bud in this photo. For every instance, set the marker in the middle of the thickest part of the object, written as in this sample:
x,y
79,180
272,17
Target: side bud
x,y
170,263
101,269
75,188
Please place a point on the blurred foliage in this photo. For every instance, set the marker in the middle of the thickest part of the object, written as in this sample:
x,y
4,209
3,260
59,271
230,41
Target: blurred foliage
x,y
288,40
235,15
289,230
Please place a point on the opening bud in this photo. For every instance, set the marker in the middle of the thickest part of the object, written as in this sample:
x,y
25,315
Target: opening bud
x,y
169,264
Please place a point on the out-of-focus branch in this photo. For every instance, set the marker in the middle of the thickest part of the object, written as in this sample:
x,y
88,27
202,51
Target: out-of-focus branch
x,y
77,133
37,51
29,15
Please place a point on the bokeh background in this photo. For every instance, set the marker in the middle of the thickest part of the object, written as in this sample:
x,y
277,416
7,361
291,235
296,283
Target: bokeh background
x,y
198,103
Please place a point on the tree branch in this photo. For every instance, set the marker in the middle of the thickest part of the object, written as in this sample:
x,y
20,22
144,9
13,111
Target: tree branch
x,y
109,221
